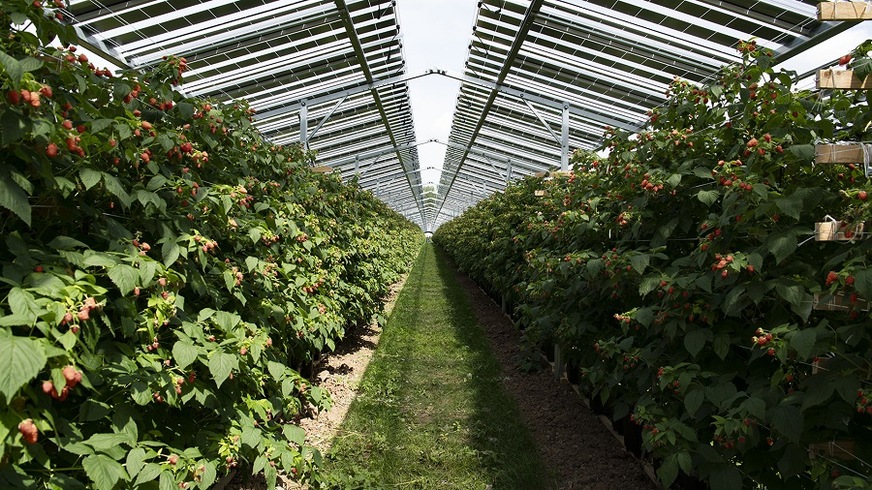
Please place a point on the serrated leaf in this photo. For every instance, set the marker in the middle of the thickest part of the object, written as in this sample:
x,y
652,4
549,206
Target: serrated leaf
x,y
251,437
210,473
802,341
276,369
693,400
29,64
668,470
170,251
725,477
788,420
12,68
294,433
251,263
185,354
221,365
21,359
12,127
782,245
13,197
102,442
694,341
259,463
802,152
135,461
640,262
684,462
104,471
148,473
90,177
756,407
708,197
124,276
166,481
113,185
644,316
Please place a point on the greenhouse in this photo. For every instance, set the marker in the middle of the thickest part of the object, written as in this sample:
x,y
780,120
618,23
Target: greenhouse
x,y
648,264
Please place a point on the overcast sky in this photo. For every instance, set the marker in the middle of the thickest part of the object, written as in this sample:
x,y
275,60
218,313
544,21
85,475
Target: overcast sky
x,y
435,35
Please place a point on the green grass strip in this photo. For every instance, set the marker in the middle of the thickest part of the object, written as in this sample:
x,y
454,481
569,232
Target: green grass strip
x,y
431,412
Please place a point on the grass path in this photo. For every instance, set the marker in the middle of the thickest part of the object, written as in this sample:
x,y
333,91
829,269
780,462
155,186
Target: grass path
x,y
431,411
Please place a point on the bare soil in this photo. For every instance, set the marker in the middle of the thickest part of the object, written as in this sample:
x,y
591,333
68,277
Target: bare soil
x,y
582,452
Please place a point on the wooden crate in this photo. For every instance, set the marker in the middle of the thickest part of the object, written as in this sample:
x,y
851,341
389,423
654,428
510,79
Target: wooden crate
x,y
322,170
839,449
834,231
842,153
842,80
844,11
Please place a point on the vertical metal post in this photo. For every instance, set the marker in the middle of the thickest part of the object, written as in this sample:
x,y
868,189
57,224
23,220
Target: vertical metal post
x,y
564,140
357,165
509,172
304,125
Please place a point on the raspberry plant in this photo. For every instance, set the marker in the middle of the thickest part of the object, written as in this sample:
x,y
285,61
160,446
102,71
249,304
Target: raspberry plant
x,y
166,275
680,270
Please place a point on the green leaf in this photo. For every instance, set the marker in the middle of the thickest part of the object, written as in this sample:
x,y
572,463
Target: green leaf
x,y
725,477
863,282
210,473
251,437
113,185
226,320
694,341
135,460
185,354
294,433
684,462
803,152
98,125
12,68
166,481
788,420
251,263
789,291
220,366
640,262
782,245
755,407
148,473
12,127
29,64
693,400
276,369
708,197
721,344
170,251
21,359
124,276
13,197
102,442
259,464
668,470
790,205
104,471
90,177
645,316
803,342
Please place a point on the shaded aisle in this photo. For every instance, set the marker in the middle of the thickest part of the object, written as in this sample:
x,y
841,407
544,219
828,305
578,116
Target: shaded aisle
x,y
432,412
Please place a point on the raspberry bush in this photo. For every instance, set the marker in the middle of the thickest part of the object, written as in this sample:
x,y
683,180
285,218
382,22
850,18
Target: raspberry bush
x,y
680,274
166,275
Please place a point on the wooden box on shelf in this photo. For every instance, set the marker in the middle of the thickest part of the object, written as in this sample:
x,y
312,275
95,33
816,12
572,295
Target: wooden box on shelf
x,y
839,449
837,231
841,153
322,170
844,11
842,79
